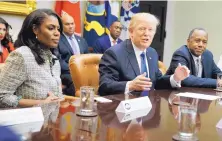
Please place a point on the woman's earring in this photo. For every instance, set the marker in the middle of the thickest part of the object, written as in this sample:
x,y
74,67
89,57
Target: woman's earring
x,y
36,37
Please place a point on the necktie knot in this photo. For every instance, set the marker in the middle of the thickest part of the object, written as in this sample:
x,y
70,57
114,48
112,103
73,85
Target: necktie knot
x,y
114,42
142,55
198,61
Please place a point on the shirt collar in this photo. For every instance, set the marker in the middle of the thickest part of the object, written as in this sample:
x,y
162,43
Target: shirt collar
x,y
111,39
137,50
68,37
195,57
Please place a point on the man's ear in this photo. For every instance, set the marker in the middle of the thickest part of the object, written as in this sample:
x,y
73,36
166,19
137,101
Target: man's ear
x,y
130,30
188,40
35,29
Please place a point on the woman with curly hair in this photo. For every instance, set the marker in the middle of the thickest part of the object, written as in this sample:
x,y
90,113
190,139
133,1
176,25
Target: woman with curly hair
x,y
6,45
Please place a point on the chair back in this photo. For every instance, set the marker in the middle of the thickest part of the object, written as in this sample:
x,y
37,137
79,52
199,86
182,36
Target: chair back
x,y
84,71
162,67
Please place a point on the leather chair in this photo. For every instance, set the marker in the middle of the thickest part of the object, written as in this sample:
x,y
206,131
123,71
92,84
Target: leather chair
x,y
84,71
162,67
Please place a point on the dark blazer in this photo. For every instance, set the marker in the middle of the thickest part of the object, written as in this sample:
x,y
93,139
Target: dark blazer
x,y
210,69
119,65
66,52
102,44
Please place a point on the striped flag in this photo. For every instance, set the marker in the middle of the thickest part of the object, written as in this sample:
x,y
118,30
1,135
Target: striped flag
x,y
128,9
71,7
94,22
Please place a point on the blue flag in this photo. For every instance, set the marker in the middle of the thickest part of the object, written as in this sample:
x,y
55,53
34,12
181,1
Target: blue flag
x,y
112,9
94,22
128,9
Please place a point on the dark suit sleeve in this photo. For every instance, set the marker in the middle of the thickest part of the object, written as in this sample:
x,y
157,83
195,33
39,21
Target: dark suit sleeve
x,y
109,75
191,81
161,82
97,47
86,50
62,59
215,70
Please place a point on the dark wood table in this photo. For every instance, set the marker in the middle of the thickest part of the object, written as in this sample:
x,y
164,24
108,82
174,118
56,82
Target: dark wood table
x,y
159,125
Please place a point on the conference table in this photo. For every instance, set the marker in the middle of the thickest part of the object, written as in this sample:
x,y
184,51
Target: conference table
x,y
160,124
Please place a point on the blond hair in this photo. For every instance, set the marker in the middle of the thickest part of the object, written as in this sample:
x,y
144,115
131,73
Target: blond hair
x,y
150,18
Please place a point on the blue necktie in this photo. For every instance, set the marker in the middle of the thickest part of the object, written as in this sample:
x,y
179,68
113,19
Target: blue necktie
x,y
144,69
74,49
143,64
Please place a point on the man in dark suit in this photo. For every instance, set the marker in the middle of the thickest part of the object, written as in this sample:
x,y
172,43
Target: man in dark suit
x,y
198,59
106,41
69,45
132,65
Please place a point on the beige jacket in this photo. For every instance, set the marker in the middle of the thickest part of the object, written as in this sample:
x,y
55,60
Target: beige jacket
x,y
22,77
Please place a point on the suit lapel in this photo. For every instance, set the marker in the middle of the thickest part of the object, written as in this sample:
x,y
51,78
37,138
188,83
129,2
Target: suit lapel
x,y
132,58
204,64
192,63
107,41
119,41
66,42
193,66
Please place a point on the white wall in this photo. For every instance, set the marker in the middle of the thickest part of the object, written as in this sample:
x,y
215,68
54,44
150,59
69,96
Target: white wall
x,y
182,16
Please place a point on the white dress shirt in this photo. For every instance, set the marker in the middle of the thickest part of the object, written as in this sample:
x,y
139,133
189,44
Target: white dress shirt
x,y
75,42
200,65
138,52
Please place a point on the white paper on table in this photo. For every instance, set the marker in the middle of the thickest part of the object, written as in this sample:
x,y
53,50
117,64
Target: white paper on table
x,y
21,116
198,96
24,128
102,100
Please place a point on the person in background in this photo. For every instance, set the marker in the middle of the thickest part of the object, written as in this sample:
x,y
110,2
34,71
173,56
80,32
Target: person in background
x,y
31,74
194,55
69,44
132,65
6,45
106,41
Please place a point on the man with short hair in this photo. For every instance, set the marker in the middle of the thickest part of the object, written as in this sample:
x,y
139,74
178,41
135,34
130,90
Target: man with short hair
x,y
69,44
194,55
132,65
106,41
